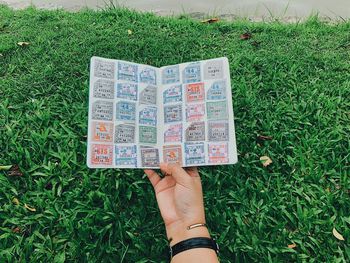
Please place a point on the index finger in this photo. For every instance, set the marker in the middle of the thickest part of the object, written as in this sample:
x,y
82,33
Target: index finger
x,y
152,176
176,171
192,171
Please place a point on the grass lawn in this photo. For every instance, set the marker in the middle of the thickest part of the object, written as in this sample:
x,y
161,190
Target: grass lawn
x,y
290,82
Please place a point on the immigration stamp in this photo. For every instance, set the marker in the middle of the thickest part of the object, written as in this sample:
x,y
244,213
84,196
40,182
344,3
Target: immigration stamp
x,y
171,74
102,131
217,110
192,73
104,69
218,152
173,133
195,92
196,132
149,95
217,91
125,111
172,154
104,89
148,75
173,113
148,116
126,155
195,112
214,69
149,157
102,110
124,133
147,134
101,154
127,71
127,91
218,131
194,153
173,94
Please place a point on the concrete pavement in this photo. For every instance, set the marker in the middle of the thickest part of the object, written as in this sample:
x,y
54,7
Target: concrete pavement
x,y
335,9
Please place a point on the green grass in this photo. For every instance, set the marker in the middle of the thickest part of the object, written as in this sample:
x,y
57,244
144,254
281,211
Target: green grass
x,y
290,81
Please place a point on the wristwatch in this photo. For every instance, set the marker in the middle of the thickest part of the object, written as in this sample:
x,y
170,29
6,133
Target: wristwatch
x,y
196,242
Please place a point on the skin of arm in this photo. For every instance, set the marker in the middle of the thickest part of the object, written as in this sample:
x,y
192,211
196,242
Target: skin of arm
x,y
180,200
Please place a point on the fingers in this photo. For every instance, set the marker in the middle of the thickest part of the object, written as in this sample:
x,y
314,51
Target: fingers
x,y
175,170
153,177
192,171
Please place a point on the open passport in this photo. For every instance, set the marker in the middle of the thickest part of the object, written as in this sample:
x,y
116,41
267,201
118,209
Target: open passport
x,y
140,116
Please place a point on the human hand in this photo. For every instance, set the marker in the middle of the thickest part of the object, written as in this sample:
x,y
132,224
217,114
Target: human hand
x,y
180,200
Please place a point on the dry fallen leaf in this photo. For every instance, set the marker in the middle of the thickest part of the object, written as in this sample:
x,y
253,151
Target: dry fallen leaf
x,y
210,20
129,32
17,230
23,44
264,137
15,201
14,171
32,209
265,160
292,245
337,235
246,36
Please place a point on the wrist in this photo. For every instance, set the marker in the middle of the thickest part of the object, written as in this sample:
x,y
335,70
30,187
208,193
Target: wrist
x,y
178,232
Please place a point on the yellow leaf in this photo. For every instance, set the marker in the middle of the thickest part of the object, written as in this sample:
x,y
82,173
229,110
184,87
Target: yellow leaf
x,y
337,235
265,160
292,245
23,44
129,32
210,20
15,201
32,209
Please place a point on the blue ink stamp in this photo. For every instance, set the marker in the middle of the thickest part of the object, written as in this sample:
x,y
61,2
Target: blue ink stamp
x,y
149,76
127,91
171,74
173,94
125,111
126,155
217,91
192,73
148,116
194,153
127,71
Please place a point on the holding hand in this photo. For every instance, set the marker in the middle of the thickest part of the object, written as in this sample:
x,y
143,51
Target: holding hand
x,y
180,200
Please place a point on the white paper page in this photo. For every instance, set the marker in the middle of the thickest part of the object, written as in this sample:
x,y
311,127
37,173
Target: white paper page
x,y
191,103
202,113
123,115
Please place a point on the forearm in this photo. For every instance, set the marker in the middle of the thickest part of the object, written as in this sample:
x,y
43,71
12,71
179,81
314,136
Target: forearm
x,y
202,255
177,233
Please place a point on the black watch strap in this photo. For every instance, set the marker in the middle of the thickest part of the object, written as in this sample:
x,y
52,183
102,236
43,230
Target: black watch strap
x,y
196,242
